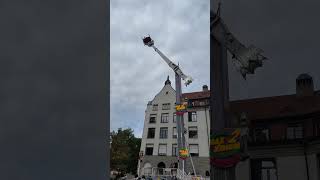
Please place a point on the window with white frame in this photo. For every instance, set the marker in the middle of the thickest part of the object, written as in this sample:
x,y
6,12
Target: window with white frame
x,y
193,132
294,131
174,117
164,118
192,116
194,149
162,149
264,169
155,107
149,149
151,133
147,169
153,118
163,133
174,149
174,133
166,106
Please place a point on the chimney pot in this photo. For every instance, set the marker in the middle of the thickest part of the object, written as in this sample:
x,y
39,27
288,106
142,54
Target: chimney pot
x,y
304,85
204,88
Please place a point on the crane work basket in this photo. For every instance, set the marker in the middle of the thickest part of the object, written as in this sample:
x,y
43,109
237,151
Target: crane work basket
x,y
147,41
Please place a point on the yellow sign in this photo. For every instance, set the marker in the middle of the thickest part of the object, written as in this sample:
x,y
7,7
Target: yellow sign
x,y
223,143
180,107
226,147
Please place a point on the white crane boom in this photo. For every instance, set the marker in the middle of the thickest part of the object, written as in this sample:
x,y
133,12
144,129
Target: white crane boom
x,y
175,68
187,79
249,58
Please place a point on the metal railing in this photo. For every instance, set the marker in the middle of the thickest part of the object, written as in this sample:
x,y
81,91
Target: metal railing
x,y
169,173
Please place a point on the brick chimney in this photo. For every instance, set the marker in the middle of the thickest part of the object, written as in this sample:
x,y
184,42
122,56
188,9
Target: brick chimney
x,y
304,85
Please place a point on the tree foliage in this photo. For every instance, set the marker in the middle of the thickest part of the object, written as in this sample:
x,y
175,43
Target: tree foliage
x,y
124,151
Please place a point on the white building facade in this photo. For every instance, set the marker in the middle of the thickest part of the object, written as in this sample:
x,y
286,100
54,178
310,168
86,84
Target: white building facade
x,y
159,139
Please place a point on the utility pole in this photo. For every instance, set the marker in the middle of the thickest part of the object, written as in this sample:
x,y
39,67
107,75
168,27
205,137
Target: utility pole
x,y
248,58
179,120
179,115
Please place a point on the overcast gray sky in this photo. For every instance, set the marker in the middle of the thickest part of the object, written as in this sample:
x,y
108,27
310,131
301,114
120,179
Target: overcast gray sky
x,y
180,30
287,31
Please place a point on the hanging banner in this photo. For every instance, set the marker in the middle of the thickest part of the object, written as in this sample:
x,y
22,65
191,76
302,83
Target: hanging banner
x,y
183,153
225,148
180,113
181,109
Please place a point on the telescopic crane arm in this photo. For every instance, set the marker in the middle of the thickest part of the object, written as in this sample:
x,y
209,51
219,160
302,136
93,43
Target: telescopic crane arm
x,y
149,42
249,58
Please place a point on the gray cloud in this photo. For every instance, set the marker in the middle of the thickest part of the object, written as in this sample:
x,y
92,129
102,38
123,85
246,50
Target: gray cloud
x,y
180,29
286,32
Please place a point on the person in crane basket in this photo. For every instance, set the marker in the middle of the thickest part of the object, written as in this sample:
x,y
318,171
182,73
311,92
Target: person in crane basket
x,y
148,41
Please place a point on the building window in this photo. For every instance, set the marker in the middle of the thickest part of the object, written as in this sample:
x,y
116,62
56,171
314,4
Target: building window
x,y
193,132
174,117
194,149
163,133
149,149
166,106
162,149
155,107
153,118
174,133
192,116
294,131
151,133
263,169
174,150
261,135
164,118
195,103
147,169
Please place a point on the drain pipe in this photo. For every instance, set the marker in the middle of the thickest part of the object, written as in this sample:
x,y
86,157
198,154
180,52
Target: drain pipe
x,y
306,159
205,112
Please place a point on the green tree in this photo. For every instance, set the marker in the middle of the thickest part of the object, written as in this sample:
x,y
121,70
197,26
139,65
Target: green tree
x,y
124,151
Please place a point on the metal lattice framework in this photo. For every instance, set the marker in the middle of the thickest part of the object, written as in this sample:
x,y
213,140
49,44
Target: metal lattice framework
x,y
248,58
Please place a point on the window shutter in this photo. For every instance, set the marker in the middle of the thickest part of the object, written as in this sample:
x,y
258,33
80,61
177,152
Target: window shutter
x,y
162,149
194,148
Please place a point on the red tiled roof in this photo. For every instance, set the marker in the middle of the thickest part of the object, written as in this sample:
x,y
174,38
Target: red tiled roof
x,y
277,106
196,95
268,107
